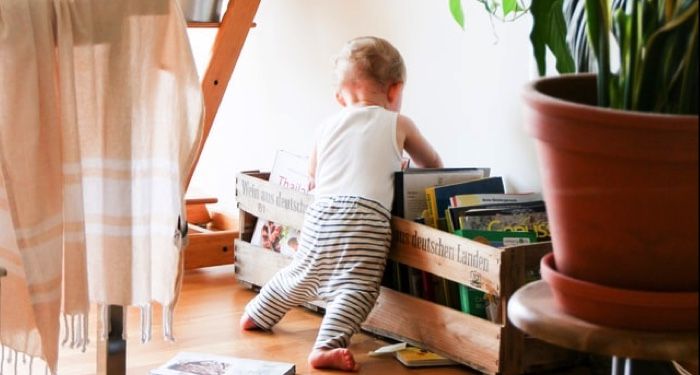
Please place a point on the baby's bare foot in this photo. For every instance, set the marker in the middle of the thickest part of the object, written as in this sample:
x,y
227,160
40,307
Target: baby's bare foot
x,y
248,324
338,359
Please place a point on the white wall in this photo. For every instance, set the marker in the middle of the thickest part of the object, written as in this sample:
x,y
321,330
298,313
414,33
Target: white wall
x,y
463,90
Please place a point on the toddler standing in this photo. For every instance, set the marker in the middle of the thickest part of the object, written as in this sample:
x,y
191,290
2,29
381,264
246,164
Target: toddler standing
x,y
346,234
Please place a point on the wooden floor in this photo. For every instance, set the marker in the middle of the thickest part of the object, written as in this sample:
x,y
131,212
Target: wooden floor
x,y
206,320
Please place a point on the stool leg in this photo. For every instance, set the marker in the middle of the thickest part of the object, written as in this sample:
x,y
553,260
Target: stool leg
x,y
618,366
642,367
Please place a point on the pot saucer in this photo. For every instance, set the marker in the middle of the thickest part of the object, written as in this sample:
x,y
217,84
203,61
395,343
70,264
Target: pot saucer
x,y
621,308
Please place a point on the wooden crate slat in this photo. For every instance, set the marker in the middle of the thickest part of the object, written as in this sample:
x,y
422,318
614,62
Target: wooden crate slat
x,y
446,255
256,265
448,332
270,201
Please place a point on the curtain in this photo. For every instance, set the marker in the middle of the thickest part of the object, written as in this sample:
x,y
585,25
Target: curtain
x,y
100,121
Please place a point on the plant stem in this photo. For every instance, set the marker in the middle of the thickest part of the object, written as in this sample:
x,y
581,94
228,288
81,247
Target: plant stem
x,y
598,16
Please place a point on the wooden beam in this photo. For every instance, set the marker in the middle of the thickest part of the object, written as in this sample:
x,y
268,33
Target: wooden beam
x,y
233,31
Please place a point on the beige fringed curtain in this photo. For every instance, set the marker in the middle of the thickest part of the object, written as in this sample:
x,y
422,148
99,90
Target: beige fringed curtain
x,y
100,117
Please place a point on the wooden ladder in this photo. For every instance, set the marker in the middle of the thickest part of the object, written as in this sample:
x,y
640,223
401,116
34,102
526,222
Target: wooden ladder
x,y
233,31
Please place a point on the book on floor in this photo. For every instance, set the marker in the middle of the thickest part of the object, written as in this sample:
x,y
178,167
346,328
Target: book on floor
x,y
188,363
417,357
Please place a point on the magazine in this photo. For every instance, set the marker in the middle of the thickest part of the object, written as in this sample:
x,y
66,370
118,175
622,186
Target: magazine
x,y
409,186
187,363
290,171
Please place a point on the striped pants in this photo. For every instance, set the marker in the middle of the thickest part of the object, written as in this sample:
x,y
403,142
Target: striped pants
x,y
343,248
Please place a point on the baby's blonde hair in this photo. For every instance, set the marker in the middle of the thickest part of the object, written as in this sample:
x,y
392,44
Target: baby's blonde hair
x,y
370,58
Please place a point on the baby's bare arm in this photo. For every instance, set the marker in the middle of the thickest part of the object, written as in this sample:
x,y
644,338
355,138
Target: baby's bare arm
x,y
409,138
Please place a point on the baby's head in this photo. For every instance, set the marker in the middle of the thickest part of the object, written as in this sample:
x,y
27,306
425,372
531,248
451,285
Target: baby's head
x,y
369,59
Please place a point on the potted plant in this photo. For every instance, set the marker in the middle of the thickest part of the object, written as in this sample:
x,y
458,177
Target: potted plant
x,y
618,154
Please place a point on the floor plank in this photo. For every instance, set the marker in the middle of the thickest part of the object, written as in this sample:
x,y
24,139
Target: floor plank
x,y
206,320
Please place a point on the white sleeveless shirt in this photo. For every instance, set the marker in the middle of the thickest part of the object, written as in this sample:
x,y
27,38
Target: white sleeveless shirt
x,y
357,154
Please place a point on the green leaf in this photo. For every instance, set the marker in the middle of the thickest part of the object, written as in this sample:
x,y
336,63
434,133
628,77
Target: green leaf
x,y
598,21
557,39
549,31
457,12
659,73
689,88
538,35
509,6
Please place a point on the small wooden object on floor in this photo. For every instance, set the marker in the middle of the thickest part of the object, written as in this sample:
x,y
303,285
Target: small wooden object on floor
x,y
532,309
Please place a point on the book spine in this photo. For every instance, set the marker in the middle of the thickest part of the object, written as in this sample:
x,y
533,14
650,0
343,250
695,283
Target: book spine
x,y
472,301
431,220
428,287
397,207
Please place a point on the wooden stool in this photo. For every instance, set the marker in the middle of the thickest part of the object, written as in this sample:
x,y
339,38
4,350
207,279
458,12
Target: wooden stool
x,y
533,311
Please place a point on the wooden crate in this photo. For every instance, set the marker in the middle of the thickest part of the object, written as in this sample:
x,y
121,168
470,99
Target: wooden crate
x,y
490,347
258,198
211,235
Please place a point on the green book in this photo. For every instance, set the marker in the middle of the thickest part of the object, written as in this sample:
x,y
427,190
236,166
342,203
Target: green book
x,y
473,301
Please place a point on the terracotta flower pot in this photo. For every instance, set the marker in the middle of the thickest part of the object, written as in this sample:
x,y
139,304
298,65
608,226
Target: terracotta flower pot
x,y
621,188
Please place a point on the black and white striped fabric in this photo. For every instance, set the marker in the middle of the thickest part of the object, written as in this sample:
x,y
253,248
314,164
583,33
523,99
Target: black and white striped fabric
x,y
342,253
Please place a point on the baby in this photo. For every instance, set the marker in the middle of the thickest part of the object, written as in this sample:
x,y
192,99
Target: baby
x,y
345,238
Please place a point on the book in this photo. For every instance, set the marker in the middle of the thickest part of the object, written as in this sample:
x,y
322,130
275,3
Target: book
x,y
290,171
396,276
427,286
453,214
405,279
464,202
472,301
523,217
438,197
409,186
481,199
188,363
417,357
415,283
476,302
498,238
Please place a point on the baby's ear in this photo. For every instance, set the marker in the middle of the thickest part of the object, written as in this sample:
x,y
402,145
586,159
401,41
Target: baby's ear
x,y
339,98
393,95
394,90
